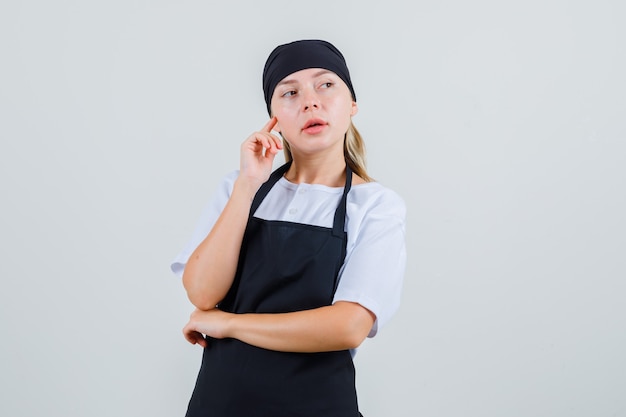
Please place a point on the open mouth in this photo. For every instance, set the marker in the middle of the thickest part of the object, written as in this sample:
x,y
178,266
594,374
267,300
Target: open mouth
x,y
314,123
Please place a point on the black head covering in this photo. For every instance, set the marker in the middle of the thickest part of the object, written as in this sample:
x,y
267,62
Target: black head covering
x,y
295,56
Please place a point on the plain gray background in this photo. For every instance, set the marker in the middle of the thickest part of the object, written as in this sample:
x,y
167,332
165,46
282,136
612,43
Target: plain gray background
x,y
500,123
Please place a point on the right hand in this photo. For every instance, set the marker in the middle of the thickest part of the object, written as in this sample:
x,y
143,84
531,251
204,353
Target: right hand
x,y
257,154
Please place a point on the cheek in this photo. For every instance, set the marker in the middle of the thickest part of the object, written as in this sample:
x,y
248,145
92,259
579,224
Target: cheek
x,y
344,111
283,108
285,116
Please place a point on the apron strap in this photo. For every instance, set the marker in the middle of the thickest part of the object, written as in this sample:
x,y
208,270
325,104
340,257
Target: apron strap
x,y
267,186
340,214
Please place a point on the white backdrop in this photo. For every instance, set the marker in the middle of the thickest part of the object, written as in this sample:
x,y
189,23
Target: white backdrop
x,y
502,124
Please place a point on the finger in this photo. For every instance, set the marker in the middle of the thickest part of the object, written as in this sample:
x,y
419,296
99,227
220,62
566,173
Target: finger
x,y
270,125
265,140
202,341
254,143
278,142
195,338
190,334
275,145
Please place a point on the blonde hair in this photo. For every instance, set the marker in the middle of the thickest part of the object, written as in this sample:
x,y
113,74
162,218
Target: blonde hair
x,y
353,151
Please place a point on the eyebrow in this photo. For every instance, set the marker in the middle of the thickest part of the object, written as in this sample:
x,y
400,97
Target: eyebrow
x,y
317,74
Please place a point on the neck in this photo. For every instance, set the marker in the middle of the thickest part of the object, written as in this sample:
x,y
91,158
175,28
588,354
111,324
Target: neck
x,y
317,170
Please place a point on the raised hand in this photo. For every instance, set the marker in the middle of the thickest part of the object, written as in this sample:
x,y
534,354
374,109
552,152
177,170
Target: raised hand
x,y
258,152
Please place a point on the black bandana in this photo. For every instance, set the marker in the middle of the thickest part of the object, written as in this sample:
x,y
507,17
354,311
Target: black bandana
x,y
295,56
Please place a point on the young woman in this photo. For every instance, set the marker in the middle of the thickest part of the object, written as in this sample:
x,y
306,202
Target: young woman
x,y
291,270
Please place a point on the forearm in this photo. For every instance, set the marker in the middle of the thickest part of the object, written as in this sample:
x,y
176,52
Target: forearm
x,y
212,266
341,326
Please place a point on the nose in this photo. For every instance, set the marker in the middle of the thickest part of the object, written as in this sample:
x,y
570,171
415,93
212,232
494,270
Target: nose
x,y
310,100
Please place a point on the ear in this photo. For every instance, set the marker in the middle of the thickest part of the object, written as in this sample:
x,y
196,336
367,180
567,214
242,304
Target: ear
x,y
355,109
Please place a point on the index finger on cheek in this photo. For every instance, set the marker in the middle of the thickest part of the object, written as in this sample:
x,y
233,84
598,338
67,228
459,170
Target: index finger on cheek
x,y
270,125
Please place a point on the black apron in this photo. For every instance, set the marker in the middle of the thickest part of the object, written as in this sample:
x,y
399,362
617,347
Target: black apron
x,y
283,267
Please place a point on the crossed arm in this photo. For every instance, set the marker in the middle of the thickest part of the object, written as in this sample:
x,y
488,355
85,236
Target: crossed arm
x,y
343,325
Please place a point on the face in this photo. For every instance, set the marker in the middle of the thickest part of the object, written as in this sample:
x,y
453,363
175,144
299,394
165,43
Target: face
x,y
313,108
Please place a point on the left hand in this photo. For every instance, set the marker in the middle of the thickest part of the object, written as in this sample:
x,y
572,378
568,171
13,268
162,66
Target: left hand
x,y
211,323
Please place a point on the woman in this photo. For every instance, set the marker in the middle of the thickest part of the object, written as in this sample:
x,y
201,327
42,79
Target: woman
x,y
290,270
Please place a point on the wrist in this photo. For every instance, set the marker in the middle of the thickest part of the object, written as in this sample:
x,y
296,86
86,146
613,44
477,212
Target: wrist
x,y
246,187
230,325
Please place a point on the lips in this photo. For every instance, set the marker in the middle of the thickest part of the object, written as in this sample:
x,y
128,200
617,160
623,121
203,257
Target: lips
x,y
314,126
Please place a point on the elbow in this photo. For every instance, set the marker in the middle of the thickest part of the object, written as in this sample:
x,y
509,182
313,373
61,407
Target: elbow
x,y
200,297
202,302
356,326
353,340
356,332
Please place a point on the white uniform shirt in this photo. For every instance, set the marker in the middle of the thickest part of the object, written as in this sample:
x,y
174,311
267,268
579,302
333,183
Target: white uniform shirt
x,y
373,270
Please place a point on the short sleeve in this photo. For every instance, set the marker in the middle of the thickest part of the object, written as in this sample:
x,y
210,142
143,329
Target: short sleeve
x,y
373,271
208,217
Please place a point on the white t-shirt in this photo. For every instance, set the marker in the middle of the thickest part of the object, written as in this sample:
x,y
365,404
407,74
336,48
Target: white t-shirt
x,y
373,270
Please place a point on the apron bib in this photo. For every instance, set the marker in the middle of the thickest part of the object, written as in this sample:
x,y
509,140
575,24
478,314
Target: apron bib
x,y
283,267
